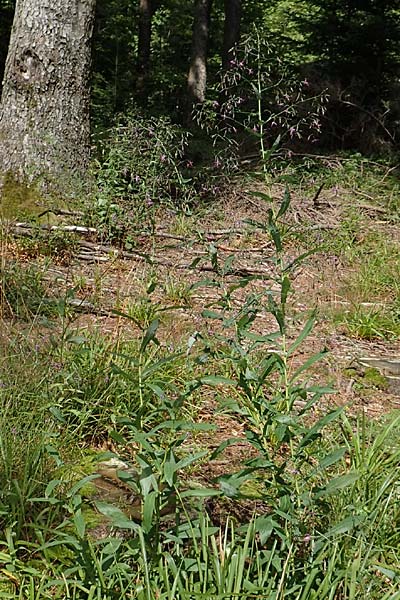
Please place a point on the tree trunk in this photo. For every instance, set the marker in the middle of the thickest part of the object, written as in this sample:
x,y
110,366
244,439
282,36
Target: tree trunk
x,y
144,43
197,78
233,10
44,111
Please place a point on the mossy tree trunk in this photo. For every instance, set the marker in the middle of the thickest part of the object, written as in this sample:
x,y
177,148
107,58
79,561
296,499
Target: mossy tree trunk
x,y
197,78
233,10
44,111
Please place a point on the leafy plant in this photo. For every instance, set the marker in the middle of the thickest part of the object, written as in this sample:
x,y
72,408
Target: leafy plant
x,y
139,167
260,96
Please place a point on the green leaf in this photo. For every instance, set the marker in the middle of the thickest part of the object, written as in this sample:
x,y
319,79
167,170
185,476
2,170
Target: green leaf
x,y
184,462
274,232
284,205
211,314
116,516
79,523
264,526
345,526
223,445
339,483
308,327
150,335
313,433
170,468
331,458
81,483
299,259
149,507
285,289
216,380
305,366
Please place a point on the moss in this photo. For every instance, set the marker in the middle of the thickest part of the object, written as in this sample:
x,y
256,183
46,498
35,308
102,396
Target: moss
x,y
367,378
19,199
375,378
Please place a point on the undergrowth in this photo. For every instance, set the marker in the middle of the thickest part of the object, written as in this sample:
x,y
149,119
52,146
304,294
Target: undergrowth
x,y
323,486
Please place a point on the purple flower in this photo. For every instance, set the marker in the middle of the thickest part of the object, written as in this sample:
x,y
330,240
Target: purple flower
x,y
163,158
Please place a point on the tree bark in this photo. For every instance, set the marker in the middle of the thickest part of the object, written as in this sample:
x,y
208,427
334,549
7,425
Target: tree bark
x,y
197,78
44,111
144,43
233,13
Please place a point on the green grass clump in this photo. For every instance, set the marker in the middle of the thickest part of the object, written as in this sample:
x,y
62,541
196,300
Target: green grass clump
x,y
23,293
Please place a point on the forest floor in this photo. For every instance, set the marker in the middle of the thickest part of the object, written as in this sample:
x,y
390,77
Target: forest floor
x,y
188,263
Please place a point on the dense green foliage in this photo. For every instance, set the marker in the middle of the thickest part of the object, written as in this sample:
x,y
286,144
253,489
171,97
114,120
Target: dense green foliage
x,y
348,50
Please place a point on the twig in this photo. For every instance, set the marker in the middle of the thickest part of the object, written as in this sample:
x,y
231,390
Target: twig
x,y
370,114
62,211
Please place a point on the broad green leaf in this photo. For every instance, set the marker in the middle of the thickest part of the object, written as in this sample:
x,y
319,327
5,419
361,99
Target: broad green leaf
x,y
81,483
184,462
306,365
79,523
315,430
116,516
331,458
339,483
216,380
285,289
211,314
274,232
170,468
150,335
149,507
223,445
284,205
345,526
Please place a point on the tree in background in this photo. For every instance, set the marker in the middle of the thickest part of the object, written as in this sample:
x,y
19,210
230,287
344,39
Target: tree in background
x,y
233,10
197,78
146,9
44,112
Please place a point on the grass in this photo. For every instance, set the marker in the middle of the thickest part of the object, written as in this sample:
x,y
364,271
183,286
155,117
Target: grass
x,y
322,486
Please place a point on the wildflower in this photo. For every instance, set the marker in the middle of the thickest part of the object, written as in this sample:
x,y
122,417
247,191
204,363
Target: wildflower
x,y
189,164
305,82
137,178
163,158
292,131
